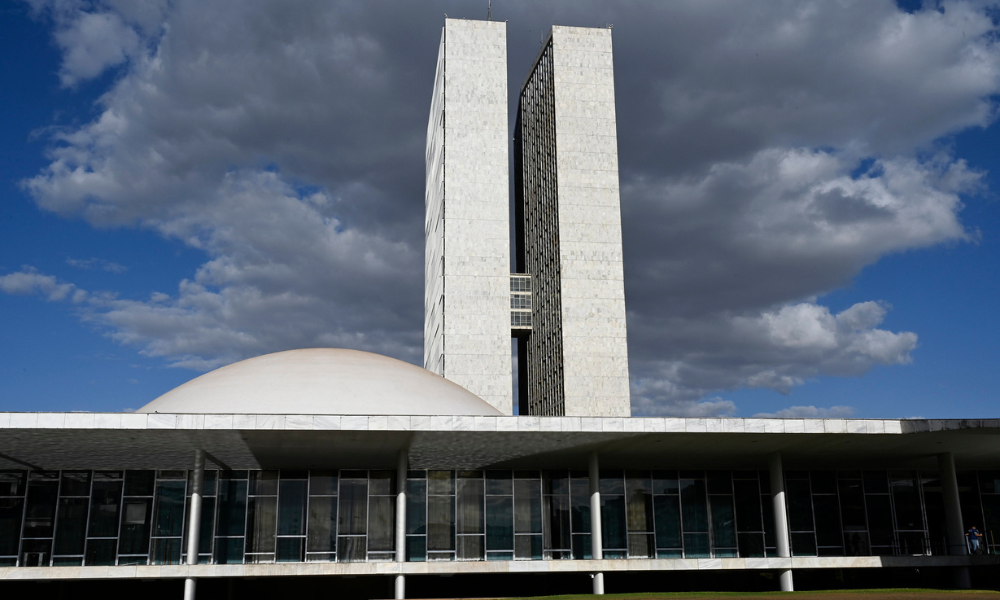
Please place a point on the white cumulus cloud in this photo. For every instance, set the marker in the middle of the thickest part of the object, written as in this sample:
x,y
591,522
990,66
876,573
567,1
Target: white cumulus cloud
x,y
769,152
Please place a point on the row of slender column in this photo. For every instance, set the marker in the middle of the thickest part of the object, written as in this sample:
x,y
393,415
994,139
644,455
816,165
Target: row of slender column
x,y
194,520
946,465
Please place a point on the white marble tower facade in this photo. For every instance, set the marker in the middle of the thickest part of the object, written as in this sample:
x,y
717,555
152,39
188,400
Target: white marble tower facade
x,y
569,230
467,227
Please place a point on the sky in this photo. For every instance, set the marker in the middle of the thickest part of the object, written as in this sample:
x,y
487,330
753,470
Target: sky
x,y
809,194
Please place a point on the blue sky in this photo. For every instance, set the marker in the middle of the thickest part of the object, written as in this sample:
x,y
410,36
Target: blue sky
x,y
174,197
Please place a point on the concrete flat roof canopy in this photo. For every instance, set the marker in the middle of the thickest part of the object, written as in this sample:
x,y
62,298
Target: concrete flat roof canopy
x,y
167,441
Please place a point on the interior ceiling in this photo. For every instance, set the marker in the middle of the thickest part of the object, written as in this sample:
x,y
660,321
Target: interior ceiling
x,y
171,449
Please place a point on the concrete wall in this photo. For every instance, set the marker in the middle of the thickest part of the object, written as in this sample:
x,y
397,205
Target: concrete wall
x,y
595,350
467,303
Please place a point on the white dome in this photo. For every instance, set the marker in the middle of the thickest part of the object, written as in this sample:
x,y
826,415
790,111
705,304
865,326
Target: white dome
x,y
321,381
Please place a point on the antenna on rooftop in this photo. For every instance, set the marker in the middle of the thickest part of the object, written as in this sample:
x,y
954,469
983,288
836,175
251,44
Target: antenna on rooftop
x,y
489,10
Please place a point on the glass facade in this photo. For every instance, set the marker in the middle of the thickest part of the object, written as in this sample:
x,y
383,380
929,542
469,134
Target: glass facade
x,y
54,518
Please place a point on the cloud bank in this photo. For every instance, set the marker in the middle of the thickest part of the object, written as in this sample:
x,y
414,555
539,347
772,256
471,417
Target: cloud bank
x,y
769,152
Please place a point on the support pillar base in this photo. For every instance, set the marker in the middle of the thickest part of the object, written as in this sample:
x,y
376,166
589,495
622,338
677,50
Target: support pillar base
x,y
598,583
963,580
400,587
785,576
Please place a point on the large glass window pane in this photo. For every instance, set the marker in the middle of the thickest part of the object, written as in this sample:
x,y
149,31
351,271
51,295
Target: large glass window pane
x,y
800,516
719,482
12,483
665,482
640,545
613,522
440,483
416,506
322,524
290,549
167,551
989,482
11,510
991,516
71,527
416,548
557,534
723,523
207,525
261,523
232,511
36,553
906,498
767,505
499,523
555,482
612,482
140,483
856,543
263,483
748,508
291,508
105,503
39,518
879,520
75,483
528,547
852,503
580,501
640,504
937,525
694,508
828,531
381,523
696,545
470,547
582,546
527,506
751,545
352,549
381,483
353,507
803,544
134,534
440,523
169,517
875,482
499,483
823,482
100,552
911,542
470,506
228,551
323,483
667,511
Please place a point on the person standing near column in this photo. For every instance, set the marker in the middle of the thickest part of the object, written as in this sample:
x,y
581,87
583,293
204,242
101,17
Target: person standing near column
x,y
974,535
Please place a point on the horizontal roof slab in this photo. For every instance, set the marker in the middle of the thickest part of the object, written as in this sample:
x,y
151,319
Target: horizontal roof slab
x,y
128,440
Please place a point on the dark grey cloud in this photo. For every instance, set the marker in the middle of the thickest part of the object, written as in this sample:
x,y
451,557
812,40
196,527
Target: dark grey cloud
x,y
286,141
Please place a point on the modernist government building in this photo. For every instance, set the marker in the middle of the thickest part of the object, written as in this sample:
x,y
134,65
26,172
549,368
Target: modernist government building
x,y
324,471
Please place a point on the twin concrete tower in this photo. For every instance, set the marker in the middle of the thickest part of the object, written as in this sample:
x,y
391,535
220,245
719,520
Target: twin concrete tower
x,y
565,305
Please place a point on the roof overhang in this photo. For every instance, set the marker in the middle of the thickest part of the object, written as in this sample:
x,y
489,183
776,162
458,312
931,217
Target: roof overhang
x,y
161,441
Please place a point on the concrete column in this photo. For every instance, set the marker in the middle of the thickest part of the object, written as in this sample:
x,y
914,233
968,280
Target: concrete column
x,y
953,517
401,468
596,543
780,518
194,519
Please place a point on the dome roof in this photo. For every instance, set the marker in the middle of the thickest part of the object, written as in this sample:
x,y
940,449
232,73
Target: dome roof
x,y
321,381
